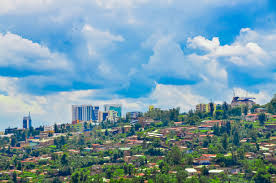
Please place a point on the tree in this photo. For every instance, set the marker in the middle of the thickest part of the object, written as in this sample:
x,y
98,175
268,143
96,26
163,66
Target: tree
x,y
19,165
262,118
174,156
13,141
212,108
271,106
118,173
106,132
85,125
262,176
236,111
225,107
204,171
245,109
56,180
163,166
225,141
219,114
14,177
64,159
81,140
62,140
255,106
181,175
56,128
236,140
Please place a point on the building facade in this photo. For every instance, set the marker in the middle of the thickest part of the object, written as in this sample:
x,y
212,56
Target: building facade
x,y
204,107
134,114
112,116
243,101
114,107
85,113
102,116
27,121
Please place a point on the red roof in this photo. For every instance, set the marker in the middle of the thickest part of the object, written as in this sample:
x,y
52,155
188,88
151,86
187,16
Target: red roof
x,y
28,161
208,126
204,159
213,121
141,174
252,115
209,155
95,144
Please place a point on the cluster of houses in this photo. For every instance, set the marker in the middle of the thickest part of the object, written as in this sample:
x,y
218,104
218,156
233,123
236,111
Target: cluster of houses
x,y
185,135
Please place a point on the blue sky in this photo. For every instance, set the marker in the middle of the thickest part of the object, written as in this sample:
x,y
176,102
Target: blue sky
x,y
136,52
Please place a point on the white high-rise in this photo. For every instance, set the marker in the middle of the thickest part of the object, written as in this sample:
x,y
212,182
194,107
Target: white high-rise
x,y
85,112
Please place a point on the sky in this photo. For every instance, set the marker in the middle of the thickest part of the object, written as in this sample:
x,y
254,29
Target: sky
x,y
169,53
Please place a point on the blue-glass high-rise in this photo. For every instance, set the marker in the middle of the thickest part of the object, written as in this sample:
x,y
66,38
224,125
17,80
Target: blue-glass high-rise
x,y
27,121
85,113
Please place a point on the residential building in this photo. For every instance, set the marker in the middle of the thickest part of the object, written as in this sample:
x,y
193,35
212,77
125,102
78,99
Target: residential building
x,y
251,117
255,117
85,113
49,129
102,116
114,107
77,127
134,115
204,107
27,121
10,130
260,110
144,121
112,116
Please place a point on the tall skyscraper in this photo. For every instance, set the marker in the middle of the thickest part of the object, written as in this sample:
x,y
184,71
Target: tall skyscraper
x,y
85,113
102,116
27,121
114,107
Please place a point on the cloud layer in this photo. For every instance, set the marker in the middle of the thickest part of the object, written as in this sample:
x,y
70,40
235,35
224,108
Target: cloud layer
x,y
135,52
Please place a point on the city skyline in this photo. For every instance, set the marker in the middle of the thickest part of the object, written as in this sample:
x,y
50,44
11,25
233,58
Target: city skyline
x,y
136,53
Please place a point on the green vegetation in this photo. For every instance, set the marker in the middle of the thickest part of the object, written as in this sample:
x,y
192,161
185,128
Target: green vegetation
x,y
197,149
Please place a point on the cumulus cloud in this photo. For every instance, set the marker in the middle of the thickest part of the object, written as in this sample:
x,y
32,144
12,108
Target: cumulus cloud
x,y
169,60
129,51
98,40
169,96
50,108
240,53
23,54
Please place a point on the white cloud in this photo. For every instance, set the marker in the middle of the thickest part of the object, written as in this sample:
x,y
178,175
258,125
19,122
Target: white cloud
x,y
98,40
200,42
24,6
169,96
262,97
109,4
169,60
21,53
244,51
51,108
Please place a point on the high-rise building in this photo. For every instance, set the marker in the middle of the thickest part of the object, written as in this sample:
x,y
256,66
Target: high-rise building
x,y
204,107
27,121
102,116
114,107
85,113
112,116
